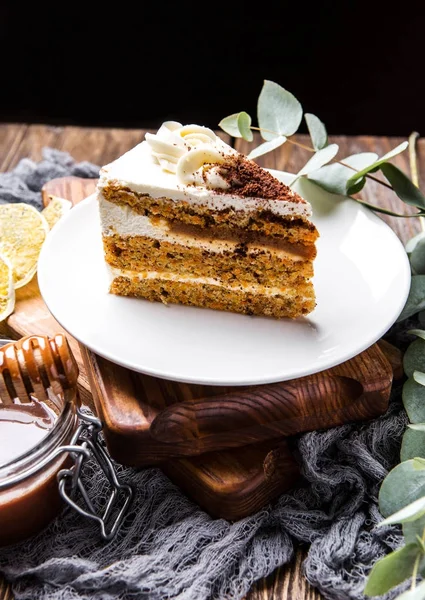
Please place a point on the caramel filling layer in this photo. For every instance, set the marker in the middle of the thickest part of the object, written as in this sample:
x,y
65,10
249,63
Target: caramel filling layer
x,y
294,229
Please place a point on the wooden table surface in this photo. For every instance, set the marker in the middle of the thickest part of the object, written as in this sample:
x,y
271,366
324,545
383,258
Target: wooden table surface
x,y
100,146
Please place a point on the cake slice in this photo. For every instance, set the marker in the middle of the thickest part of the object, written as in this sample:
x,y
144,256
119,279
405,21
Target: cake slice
x,y
187,219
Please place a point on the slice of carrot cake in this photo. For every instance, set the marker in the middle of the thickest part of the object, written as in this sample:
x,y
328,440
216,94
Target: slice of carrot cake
x,y
187,219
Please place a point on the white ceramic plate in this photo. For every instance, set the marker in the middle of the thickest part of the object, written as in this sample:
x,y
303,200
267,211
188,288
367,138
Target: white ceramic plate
x,y
362,279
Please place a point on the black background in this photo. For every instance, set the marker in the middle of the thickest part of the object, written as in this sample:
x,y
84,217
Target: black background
x,y
358,66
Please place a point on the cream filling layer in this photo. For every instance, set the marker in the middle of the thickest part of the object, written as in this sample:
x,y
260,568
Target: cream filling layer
x,y
117,219
248,288
138,171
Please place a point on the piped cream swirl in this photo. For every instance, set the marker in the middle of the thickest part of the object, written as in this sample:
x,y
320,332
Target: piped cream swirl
x,y
192,152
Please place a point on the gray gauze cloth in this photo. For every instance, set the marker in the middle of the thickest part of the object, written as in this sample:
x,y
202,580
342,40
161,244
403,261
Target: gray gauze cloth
x,y
168,547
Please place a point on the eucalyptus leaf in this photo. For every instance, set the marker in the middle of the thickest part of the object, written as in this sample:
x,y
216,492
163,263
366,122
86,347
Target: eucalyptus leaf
x,y
414,358
230,125
419,377
377,164
411,512
356,187
360,160
417,593
413,396
279,112
412,444
411,244
419,332
417,427
413,528
416,299
244,126
317,131
405,189
404,484
421,319
267,147
417,258
333,178
319,158
391,570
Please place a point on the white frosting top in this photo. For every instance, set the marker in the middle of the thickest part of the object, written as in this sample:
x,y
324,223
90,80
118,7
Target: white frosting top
x,y
186,150
181,162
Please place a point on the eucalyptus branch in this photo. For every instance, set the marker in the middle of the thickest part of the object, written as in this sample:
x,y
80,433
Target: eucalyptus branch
x,y
279,117
368,175
300,145
344,164
288,139
414,166
412,157
296,143
415,571
386,211
340,162
417,561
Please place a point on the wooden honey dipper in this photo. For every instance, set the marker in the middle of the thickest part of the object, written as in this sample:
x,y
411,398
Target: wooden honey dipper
x,y
33,365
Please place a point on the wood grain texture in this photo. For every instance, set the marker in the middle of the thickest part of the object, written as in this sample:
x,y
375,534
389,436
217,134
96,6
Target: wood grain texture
x,y
71,188
149,420
11,137
233,484
229,484
235,481
21,141
285,583
5,590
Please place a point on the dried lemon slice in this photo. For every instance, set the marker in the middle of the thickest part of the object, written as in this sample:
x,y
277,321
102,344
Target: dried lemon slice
x,y
56,208
7,288
23,230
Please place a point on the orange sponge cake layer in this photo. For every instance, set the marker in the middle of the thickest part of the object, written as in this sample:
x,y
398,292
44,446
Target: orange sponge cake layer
x,y
239,265
285,302
186,219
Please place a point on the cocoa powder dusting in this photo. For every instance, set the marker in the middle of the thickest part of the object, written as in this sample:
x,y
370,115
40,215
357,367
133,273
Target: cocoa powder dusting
x,y
247,179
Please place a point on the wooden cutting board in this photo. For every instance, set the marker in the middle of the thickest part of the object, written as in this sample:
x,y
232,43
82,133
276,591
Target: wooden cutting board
x,y
150,420
225,447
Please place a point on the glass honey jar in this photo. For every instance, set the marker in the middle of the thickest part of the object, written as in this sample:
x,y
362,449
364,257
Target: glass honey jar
x,y
45,437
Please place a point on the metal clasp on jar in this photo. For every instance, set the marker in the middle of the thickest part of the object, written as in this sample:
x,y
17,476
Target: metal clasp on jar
x,y
86,445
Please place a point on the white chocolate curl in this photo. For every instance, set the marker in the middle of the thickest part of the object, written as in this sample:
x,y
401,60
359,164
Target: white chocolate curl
x,y
185,150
